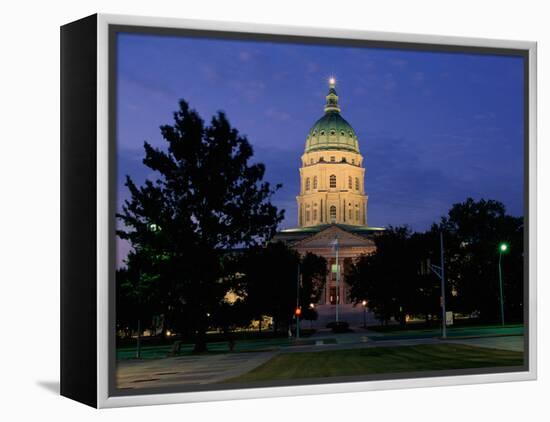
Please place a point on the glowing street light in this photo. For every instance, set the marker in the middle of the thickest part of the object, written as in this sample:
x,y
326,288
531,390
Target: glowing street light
x,y
153,227
332,81
503,247
364,303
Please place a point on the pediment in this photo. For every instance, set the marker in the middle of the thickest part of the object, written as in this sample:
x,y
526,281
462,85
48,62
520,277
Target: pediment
x,y
326,237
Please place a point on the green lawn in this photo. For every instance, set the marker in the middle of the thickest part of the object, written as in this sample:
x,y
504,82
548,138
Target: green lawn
x,y
249,345
465,331
379,360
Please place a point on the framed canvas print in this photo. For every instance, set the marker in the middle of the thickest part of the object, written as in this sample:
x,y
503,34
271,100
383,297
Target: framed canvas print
x,y
255,211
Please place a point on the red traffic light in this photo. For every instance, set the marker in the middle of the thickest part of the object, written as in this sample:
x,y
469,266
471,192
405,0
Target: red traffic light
x,y
298,311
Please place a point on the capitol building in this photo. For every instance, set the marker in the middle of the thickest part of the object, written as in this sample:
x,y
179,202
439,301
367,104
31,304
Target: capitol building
x,y
332,208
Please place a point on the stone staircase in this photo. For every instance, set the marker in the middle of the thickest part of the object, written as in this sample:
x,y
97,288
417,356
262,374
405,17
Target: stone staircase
x,y
353,315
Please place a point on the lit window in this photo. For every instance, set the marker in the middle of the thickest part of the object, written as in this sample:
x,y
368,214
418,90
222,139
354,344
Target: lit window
x,y
315,182
333,214
332,181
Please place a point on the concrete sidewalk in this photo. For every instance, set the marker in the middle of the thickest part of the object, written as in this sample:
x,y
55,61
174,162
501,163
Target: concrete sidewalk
x,y
212,368
187,370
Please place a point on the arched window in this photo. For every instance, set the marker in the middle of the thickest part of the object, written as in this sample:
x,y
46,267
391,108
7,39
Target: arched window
x,y
356,183
307,183
349,183
314,182
333,214
332,181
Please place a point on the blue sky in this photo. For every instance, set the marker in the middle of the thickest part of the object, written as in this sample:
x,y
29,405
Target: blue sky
x,y
434,128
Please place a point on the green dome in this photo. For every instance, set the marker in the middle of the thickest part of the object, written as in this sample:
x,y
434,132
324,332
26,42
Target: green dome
x,y
332,131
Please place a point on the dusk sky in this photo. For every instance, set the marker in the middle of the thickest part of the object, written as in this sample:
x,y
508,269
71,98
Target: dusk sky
x,y
433,128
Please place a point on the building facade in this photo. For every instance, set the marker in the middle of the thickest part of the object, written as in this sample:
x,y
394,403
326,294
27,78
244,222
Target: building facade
x,y
332,189
332,209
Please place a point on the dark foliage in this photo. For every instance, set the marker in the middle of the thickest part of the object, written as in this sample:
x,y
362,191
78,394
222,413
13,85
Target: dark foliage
x,y
207,198
396,280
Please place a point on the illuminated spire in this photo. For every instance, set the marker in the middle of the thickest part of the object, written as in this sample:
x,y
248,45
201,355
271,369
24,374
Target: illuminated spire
x,y
332,97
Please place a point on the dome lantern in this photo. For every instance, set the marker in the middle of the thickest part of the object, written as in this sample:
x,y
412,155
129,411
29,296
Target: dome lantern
x,y
332,131
332,97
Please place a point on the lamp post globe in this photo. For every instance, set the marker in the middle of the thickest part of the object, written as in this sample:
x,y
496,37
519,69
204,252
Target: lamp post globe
x,y
502,248
364,303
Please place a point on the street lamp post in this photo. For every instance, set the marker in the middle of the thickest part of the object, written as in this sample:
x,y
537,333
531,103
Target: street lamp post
x,y
502,248
364,303
153,228
439,271
443,297
311,306
337,247
298,311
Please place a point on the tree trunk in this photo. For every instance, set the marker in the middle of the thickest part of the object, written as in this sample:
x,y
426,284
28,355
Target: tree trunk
x,y
200,341
138,344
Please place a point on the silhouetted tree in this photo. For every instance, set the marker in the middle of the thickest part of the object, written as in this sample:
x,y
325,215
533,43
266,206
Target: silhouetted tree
x,y
138,298
396,279
271,274
313,269
271,277
473,230
384,277
207,198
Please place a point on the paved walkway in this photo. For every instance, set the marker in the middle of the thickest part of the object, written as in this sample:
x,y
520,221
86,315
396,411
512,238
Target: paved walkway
x,y
187,370
512,343
211,368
